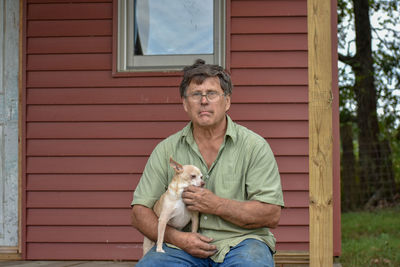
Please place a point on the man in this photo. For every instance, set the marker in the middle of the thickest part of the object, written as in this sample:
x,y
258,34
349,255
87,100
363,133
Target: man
x,y
242,197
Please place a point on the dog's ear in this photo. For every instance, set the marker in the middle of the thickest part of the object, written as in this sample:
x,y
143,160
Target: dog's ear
x,y
177,167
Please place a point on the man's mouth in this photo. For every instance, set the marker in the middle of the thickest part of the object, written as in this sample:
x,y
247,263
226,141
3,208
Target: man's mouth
x,y
204,112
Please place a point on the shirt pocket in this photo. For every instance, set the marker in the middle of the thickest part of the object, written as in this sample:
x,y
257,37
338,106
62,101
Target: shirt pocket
x,y
231,183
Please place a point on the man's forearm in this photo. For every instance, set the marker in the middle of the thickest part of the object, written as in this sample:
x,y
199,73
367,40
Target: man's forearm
x,y
248,214
146,221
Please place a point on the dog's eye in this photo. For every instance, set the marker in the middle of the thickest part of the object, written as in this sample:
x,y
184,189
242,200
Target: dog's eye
x,y
193,176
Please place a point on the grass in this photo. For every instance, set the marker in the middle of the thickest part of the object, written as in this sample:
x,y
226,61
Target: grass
x,y
371,238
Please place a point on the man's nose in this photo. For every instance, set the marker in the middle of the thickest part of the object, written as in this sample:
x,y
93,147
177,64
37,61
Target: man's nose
x,y
204,99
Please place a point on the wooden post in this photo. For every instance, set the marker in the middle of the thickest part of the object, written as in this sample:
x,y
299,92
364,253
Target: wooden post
x,y
320,132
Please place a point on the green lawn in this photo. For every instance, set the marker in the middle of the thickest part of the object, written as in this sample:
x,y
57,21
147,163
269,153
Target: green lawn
x,y
371,238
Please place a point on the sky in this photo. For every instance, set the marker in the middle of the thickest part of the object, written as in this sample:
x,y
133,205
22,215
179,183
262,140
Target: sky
x,y
181,27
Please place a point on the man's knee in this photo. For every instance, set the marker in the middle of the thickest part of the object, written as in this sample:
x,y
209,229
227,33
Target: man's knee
x,y
171,257
249,253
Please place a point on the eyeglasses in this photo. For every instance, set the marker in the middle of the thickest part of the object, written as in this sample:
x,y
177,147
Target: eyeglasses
x,y
211,96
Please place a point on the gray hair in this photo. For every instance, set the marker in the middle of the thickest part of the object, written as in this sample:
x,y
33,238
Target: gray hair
x,y
200,71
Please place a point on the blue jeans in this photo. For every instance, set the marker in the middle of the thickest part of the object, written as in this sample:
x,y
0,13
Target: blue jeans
x,y
248,253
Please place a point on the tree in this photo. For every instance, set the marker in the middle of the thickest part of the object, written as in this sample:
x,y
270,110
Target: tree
x,y
368,86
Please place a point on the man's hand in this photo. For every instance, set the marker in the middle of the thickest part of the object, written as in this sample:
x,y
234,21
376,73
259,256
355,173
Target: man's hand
x,y
249,214
201,200
145,220
197,245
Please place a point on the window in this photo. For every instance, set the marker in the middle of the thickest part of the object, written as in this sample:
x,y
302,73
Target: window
x,y
157,35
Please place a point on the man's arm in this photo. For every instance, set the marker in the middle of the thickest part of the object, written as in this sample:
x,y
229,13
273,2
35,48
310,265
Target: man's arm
x,y
246,214
146,221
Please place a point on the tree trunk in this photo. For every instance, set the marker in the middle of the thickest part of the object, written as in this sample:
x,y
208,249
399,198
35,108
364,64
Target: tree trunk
x,y
371,154
350,186
365,92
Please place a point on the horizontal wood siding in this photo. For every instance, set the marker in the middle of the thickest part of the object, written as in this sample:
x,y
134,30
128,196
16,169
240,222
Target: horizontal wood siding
x,y
269,54
89,134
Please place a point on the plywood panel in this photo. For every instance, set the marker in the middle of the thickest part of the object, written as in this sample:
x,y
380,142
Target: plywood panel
x,y
10,97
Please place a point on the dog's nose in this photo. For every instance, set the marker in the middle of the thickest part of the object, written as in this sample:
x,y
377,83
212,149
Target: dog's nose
x,y
202,183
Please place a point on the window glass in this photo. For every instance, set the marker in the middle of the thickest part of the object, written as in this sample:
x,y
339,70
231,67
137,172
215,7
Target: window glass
x,y
163,35
180,27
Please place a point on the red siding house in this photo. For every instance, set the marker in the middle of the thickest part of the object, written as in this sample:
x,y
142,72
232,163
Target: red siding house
x,y
87,129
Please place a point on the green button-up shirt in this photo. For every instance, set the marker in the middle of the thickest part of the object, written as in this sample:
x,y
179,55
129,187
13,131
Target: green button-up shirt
x,y
245,169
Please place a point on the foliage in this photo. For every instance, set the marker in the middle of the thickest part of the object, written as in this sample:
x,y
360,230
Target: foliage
x,y
396,154
371,238
384,17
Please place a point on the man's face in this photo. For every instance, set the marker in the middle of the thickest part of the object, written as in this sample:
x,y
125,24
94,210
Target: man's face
x,y
204,113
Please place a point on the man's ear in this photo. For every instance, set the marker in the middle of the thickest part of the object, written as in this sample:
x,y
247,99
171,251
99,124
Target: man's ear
x,y
184,102
228,102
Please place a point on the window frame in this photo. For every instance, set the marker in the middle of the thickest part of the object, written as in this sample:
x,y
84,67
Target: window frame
x,y
128,62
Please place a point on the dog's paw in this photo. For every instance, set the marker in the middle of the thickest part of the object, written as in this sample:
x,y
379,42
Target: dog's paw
x,y
160,250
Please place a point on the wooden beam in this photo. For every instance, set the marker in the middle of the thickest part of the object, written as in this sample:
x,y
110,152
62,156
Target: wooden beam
x,y
9,253
320,132
291,258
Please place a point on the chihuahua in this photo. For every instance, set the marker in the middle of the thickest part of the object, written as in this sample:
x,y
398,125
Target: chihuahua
x,y
170,208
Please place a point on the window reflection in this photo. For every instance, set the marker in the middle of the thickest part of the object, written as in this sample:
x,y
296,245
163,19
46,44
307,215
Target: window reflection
x,y
173,27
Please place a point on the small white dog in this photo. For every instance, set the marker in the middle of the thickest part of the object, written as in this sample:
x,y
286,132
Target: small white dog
x,y
170,208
